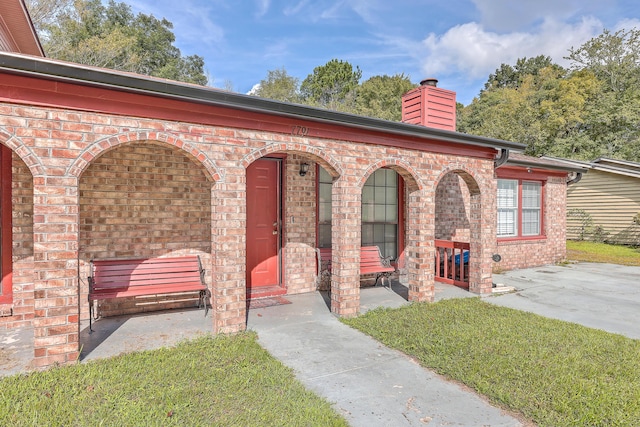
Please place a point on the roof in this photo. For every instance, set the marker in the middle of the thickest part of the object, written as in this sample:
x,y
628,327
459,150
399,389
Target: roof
x,y
548,163
16,25
603,164
134,83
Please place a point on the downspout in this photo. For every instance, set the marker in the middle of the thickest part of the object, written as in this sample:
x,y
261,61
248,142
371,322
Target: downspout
x,y
575,179
502,159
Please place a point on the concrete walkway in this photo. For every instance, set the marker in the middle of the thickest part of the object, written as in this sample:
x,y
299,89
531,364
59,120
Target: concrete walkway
x,y
368,383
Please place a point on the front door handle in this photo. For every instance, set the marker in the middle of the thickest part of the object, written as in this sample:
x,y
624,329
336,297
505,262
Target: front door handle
x,y
275,231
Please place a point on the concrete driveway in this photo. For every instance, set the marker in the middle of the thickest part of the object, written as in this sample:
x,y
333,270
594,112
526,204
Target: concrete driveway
x,y
601,296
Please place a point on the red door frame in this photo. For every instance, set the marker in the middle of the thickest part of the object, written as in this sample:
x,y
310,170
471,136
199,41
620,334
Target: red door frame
x,y
6,292
278,287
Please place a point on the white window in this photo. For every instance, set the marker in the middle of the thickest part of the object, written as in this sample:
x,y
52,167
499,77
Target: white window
x,y
519,208
507,207
531,195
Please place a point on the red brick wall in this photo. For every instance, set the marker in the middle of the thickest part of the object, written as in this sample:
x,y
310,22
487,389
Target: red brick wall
x,y
84,163
21,312
527,253
138,201
452,209
300,226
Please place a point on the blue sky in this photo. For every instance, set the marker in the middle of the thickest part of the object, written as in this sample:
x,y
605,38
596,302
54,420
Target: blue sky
x,y
460,42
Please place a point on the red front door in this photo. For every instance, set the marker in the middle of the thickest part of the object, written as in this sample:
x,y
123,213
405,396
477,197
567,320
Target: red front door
x,y
263,227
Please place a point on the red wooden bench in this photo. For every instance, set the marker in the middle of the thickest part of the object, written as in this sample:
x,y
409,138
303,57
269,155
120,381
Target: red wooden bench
x,y
120,278
371,262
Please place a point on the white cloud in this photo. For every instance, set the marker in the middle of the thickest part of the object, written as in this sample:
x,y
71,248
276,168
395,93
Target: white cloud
x,y
254,89
509,15
263,7
471,50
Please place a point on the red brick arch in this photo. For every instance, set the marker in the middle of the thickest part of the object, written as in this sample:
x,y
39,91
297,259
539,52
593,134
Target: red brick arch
x,y
313,153
24,152
102,146
467,175
404,169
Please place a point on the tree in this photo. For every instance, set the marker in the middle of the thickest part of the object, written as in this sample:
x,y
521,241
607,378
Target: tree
x,y
613,58
332,86
613,115
279,85
46,12
113,37
381,96
512,76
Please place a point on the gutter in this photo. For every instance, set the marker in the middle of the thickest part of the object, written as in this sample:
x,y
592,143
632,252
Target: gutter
x,y
537,165
129,82
575,179
502,158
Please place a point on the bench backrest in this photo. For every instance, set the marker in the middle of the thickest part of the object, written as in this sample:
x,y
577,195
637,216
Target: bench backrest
x,y
371,260
117,274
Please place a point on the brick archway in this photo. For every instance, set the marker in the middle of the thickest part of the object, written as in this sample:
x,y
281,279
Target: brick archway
x,y
462,215
102,146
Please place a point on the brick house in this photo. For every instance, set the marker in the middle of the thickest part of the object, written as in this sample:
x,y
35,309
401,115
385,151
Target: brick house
x,y
101,164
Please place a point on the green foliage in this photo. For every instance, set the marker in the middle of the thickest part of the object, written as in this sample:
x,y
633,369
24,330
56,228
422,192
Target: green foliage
x,y
335,86
508,76
381,96
221,381
592,111
332,86
613,58
113,37
279,85
555,373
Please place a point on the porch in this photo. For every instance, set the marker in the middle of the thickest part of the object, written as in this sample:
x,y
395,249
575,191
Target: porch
x,y
146,331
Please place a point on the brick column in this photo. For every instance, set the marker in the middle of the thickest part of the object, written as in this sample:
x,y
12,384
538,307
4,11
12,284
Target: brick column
x,y
228,243
345,237
420,241
55,227
482,218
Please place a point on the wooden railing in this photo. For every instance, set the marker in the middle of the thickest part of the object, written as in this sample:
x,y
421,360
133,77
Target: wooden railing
x,y
452,262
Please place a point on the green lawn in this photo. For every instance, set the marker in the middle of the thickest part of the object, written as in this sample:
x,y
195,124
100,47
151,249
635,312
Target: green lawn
x,y
221,381
602,252
554,373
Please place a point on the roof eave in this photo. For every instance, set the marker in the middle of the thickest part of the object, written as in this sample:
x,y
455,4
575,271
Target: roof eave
x,y
115,80
536,165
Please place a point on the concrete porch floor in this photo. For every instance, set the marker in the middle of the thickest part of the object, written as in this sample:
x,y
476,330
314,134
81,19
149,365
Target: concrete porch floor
x,y
123,334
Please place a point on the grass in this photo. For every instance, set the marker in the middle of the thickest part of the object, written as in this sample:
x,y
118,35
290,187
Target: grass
x,y
554,373
602,252
223,381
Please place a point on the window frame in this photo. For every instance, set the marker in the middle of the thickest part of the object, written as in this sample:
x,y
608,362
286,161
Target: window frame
x,y
522,178
6,265
399,222
400,239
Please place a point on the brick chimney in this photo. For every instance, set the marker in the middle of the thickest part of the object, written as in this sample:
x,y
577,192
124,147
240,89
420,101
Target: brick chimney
x,y
430,106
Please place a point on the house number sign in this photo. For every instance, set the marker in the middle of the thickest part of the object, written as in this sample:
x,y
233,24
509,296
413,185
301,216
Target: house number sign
x,y
299,130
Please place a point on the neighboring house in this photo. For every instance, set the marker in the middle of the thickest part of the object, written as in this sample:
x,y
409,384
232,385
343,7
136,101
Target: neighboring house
x,y
105,164
605,203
